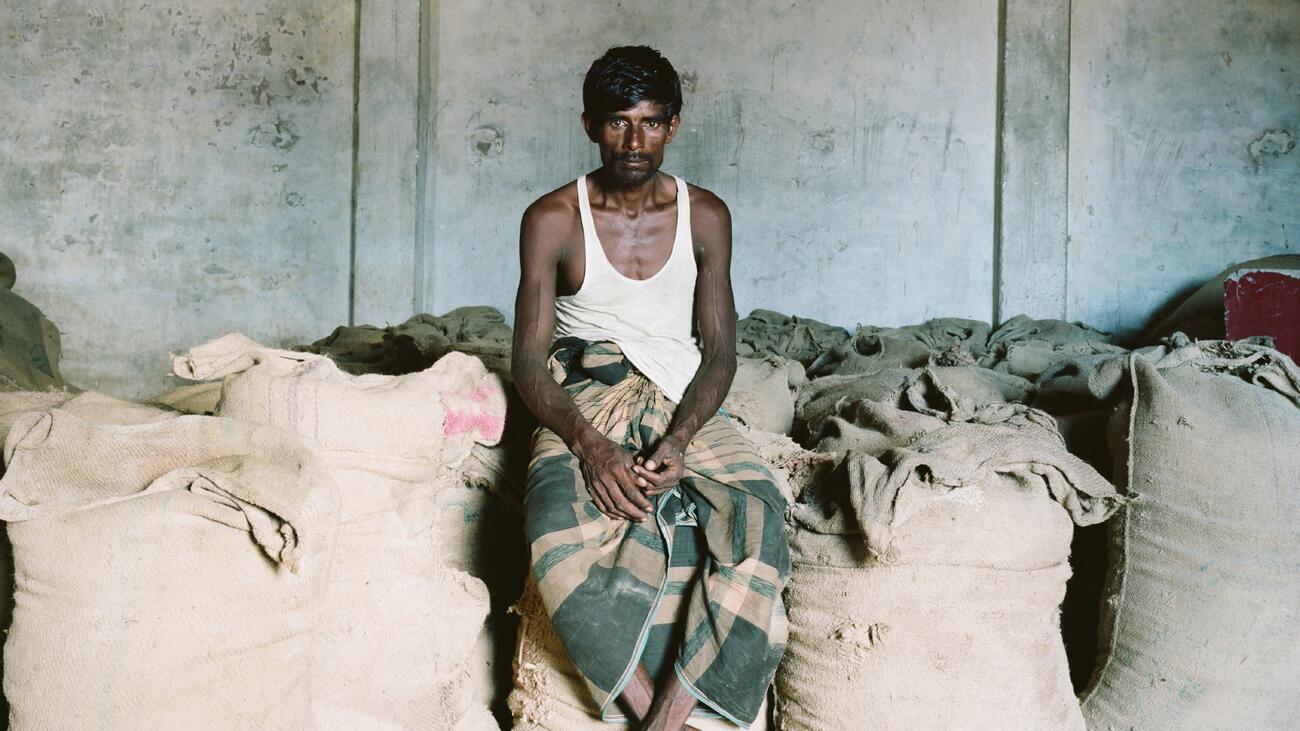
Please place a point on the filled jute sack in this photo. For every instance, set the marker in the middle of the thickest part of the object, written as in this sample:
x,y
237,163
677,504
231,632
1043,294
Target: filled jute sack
x,y
762,393
169,570
926,582
398,641
1200,628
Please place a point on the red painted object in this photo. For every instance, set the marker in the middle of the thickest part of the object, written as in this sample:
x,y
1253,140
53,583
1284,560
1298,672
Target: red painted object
x,y
1264,303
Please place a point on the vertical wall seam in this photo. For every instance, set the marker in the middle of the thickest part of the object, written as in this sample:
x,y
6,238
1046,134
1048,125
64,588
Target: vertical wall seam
x,y
421,160
356,144
1069,95
998,127
426,144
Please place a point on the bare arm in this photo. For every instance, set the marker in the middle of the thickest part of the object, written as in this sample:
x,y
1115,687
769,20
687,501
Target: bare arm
x,y
715,315
607,467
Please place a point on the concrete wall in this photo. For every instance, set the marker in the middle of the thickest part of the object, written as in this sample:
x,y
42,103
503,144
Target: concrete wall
x,y
841,158
168,173
1183,123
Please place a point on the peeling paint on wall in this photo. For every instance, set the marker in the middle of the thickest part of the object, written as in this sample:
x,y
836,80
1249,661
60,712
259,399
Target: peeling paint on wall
x,y
1270,143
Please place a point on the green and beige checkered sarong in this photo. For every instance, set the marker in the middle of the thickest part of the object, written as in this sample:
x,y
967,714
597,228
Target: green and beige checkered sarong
x,y
697,590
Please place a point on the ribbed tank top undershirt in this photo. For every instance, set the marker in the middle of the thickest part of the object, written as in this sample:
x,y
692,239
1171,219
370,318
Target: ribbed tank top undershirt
x,y
650,319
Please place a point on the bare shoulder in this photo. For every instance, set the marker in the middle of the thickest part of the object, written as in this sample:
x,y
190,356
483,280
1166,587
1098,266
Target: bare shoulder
x,y
554,208
710,221
552,220
706,207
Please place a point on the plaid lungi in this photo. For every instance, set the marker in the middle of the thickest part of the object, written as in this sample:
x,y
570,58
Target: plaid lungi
x,y
607,583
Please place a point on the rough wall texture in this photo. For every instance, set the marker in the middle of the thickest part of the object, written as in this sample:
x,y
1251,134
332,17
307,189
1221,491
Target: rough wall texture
x,y
1184,118
172,171
853,142
168,173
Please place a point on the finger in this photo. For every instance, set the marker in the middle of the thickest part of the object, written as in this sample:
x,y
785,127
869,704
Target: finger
x,y
662,455
598,498
637,496
656,479
629,483
625,506
625,487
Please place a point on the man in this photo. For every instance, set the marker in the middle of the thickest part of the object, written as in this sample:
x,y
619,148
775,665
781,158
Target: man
x,y
616,268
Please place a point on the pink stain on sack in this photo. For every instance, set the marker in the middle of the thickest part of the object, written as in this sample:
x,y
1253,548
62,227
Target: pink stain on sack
x,y
486,425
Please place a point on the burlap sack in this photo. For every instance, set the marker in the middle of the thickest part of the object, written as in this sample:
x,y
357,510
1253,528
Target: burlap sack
x,y
30,349
800,339
925,584
761,395
420,342
942,341
169,573
398,643
1200,626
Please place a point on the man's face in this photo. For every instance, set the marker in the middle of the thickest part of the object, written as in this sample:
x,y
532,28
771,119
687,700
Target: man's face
x,y
632,141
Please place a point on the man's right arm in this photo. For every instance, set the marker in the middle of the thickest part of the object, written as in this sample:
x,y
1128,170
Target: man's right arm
x,y
546,229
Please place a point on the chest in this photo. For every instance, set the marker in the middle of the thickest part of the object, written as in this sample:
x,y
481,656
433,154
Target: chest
x,y
637,248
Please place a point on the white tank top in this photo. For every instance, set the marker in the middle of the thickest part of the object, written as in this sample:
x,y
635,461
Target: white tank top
x,y
650,319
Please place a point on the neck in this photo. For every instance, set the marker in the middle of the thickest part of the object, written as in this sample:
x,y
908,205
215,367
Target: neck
x,y
632,199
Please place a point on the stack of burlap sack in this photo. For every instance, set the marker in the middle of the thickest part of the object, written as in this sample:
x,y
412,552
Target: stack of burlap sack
x,y
959,457
338,546
400,623
169,569
280,564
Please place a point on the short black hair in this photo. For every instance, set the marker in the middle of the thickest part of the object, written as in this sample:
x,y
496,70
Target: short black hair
x,y
628,75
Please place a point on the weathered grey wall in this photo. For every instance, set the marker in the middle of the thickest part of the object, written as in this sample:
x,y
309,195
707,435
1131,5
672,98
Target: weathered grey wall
x,y
172,171
852,140
1184,116
168,173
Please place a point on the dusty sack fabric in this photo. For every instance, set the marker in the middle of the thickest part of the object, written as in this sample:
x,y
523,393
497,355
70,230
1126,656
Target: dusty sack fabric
x,y
761,395
419,342
196,398
398,641
1205,602
800,339
601,578
925,583
29,350
169,573
942,341
16,403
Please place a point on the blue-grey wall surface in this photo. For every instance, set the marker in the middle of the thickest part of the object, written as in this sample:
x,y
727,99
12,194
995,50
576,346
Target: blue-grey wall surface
x,y
173,171
279,167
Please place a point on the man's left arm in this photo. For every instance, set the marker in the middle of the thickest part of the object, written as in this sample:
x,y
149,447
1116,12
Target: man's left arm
x,y
715,316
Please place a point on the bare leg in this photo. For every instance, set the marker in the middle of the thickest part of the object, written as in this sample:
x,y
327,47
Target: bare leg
x,y
672,707
639,695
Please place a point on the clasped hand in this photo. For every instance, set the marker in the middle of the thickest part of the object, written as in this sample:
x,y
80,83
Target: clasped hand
x,y
621,484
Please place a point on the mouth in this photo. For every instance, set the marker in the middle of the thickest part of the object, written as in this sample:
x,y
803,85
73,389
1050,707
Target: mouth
x,y
634,162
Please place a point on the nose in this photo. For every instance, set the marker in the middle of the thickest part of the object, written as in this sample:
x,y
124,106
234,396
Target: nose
x,y
635,138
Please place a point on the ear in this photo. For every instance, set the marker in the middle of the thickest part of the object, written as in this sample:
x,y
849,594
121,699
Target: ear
x,y
589,126
672,127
